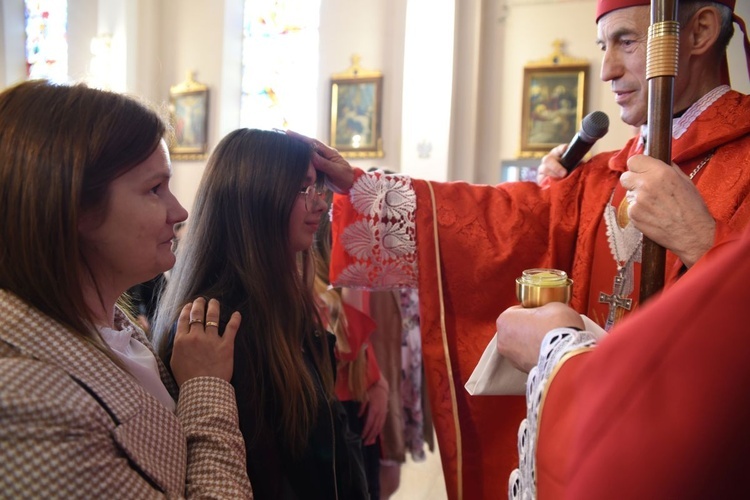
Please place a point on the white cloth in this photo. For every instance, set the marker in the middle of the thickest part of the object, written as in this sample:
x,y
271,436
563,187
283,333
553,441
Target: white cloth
x,y
140,361
495,376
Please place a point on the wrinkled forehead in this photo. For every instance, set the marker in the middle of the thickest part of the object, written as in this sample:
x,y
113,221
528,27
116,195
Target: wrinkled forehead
x,y
623,22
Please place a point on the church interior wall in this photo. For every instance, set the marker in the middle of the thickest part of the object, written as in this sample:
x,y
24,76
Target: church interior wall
x,y
156,42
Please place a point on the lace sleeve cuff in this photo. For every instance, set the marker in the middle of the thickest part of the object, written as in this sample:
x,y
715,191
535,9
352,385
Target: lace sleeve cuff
x,y
374,227
557,344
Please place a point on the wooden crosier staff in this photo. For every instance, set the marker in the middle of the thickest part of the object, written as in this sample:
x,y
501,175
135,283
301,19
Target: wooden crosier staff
x,y
661,69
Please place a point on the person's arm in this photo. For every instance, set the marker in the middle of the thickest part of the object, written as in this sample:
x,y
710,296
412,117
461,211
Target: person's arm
x,y
216,465
375,408
203,363
547,342
57,440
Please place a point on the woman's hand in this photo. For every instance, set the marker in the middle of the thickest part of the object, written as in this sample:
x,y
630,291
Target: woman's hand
x,y
376,407
339,174
198,349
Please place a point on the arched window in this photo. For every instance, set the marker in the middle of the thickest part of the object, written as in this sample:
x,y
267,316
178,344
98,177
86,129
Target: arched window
x,y
47,40
280,64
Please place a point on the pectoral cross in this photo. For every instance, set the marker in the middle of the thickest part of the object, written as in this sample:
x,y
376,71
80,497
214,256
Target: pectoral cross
x,y
615,300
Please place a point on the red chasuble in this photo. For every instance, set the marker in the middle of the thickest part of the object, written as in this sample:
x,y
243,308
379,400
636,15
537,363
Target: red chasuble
x,y
659,409
385,232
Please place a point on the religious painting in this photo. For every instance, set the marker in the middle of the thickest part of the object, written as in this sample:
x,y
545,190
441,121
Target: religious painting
x,y
356,110
188,105
554,91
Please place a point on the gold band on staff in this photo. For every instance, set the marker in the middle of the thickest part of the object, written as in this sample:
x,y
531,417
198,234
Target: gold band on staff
x,y
663,49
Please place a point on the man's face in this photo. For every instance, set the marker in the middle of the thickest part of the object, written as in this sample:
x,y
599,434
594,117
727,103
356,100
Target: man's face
x,y
623,37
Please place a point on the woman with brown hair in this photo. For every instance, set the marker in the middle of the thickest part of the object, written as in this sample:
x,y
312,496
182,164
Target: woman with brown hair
x,y
360,386
257,209
86,409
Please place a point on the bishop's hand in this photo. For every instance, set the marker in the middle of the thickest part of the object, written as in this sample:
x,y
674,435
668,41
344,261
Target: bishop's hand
x,y
666,207
339,174
520,331
551,169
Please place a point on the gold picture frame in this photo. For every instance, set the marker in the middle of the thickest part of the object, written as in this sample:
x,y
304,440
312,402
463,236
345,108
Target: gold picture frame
x,y
553,103
356,111
188,107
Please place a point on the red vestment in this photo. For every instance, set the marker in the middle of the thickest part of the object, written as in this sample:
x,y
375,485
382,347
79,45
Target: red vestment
x,y
659,408
487,237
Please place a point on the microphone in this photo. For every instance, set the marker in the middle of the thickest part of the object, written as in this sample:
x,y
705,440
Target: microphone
x,y
593,127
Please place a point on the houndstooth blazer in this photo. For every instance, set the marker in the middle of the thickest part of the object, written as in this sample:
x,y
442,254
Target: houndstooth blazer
x,y
74,425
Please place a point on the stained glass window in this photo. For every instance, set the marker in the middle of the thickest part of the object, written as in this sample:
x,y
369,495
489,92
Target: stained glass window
x,y
47,40
280,64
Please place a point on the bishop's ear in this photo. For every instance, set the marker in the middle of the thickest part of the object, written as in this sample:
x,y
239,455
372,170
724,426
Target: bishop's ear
x,y
702,31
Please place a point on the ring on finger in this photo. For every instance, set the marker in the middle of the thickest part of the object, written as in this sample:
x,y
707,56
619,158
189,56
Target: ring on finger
x,y
212,323
192,321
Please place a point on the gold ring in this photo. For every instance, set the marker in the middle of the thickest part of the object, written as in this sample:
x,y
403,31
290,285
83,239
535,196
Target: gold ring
x,y
212,323
192,321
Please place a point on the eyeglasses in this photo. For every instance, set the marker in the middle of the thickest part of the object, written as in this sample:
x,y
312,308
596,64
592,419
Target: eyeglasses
x,y
312,194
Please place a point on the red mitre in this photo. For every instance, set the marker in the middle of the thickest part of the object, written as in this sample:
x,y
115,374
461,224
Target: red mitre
x,y
607,6
604,7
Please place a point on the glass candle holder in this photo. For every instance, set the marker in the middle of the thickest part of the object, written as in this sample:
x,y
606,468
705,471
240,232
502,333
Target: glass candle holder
x,y
537,287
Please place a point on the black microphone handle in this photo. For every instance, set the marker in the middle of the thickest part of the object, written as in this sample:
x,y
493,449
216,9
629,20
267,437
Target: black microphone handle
x,y
577,149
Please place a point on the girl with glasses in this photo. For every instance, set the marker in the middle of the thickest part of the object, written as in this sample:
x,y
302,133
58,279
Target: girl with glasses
x,y
258,207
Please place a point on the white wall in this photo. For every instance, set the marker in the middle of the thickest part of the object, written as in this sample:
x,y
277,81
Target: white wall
x,y
13,59
738,71
428,89
375,31
161,40
204,37
82,27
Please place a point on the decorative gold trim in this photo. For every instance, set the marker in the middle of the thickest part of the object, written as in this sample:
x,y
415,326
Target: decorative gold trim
x,y
189,85
446,350
356,71
558,58
663,49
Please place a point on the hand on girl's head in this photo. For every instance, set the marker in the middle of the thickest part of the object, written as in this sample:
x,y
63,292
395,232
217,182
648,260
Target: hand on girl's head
x,y
339,174
199,350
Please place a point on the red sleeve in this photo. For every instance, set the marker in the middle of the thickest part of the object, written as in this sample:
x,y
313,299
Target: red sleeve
x,y
664,411
558,418
360,328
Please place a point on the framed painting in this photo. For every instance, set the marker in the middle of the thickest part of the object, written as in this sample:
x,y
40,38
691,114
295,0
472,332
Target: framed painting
x,y
188,106
356,110
554,92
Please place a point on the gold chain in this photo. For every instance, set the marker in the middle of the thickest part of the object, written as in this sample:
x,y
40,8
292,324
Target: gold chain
x,y
701,164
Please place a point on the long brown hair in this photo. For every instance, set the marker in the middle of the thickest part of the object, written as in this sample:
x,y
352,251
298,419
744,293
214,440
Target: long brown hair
x,y
60,148
237,250
336,315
